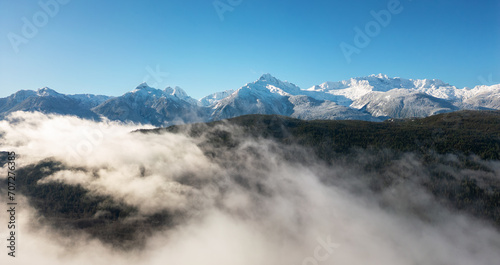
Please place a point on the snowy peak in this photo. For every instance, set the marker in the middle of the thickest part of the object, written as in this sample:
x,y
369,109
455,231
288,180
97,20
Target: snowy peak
x,y
357,87
382,80
275,85
24,94
46,100
403,103
142,85
144,92
215,98
268,78
47,92
177,92
365,98
143,88
380,76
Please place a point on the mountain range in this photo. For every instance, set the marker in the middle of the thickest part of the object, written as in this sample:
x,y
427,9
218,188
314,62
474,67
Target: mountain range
x,y
370,98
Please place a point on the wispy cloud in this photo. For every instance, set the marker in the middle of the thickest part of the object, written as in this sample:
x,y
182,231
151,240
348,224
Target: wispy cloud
x,y
244,205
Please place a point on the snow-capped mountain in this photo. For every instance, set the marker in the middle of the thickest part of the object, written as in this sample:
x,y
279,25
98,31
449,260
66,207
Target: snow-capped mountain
x,y
269,95
402,103
264,96
372,98
148,105
308,108
47,100
383,96
214,98
180,94
89,101
483,96
356,88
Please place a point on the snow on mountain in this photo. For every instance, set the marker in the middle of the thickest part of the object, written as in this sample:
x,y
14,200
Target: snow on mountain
x,y
308,108
89,100
402,103
356,88
279,86
47,92
47,100
269,95
214,98
180,94
10,102
147,105
176,92
373,98
86,100
484,96
145,91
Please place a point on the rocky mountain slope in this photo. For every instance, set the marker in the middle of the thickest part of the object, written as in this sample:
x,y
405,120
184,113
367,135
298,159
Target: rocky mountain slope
x,y
371,98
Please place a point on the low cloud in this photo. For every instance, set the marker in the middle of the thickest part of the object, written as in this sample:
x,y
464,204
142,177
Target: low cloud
x,y
248,204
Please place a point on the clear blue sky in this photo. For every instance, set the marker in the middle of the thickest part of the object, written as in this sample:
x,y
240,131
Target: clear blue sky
x,y
107,47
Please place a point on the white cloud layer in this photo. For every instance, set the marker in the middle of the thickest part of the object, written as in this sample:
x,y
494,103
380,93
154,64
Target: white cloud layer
x,y
284,214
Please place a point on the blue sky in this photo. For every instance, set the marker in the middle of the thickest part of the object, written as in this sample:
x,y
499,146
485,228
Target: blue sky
x,y
109,47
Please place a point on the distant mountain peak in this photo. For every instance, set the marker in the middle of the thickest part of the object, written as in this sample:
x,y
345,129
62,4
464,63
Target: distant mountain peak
x,y
380,76
215,97
367,98
45,92
142,85
144,89
268,77
176,91
179,93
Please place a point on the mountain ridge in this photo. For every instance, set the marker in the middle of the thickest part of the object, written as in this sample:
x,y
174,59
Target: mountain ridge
x,y
370,98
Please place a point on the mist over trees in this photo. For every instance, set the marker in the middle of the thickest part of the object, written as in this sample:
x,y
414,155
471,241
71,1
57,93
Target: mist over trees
x,y
282,180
